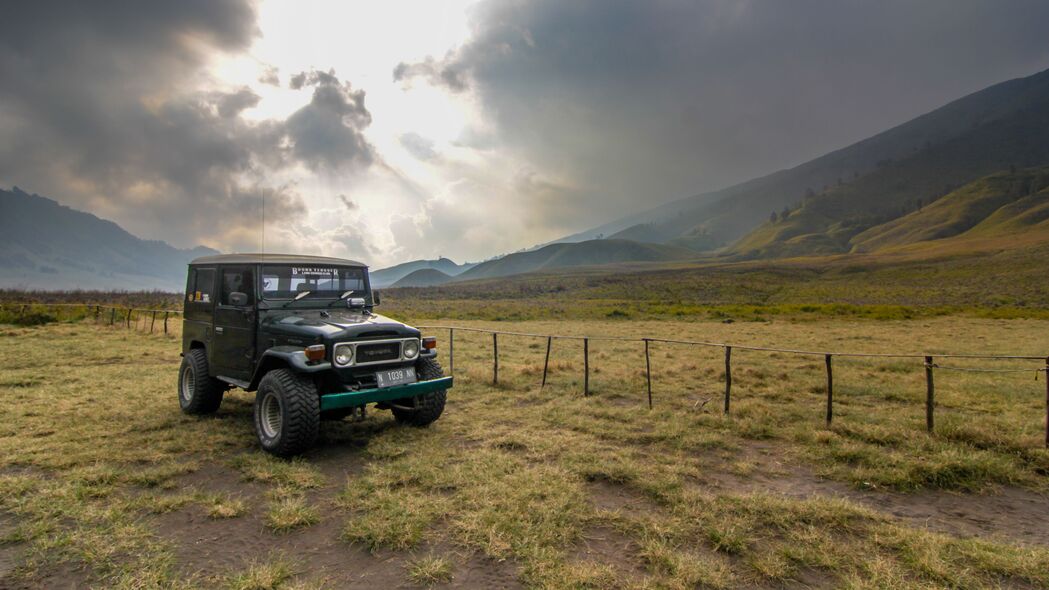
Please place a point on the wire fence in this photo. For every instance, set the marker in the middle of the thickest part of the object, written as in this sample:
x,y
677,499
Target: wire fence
x,y
165,321
928,361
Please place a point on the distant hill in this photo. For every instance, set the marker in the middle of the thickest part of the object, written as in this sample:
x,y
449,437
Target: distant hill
x,y
45,245
424,277
589,253
386,277
838,195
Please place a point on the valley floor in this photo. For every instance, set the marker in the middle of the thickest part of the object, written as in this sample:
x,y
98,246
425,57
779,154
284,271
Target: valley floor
x,y
103,482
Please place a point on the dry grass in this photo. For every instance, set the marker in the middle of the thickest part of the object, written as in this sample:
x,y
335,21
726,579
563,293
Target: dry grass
x,y
516,473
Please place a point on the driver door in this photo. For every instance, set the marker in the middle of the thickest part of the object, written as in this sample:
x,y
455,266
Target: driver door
x,y
234,341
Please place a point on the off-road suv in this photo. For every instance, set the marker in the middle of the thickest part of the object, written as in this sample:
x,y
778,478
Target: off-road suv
x,y
301,332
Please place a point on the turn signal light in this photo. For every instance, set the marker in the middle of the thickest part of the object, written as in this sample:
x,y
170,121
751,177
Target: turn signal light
x,y
429,343
315,353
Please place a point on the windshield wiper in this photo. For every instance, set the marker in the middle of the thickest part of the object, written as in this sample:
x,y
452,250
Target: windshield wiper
x,y
342,297
297,297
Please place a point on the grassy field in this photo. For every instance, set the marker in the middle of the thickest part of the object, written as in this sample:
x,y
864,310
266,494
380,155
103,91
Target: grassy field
x,y
103,482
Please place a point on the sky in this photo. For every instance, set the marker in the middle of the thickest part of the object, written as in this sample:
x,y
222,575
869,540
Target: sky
x,y
391,131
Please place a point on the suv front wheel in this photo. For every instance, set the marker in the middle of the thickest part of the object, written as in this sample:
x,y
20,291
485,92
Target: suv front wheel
x,y
287,413
422,410
198,392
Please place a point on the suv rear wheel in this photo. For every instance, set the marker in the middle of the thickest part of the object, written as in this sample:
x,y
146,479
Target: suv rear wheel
x,y
422,410
198,392
287,413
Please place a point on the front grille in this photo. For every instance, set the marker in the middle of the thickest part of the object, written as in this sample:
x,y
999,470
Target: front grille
x,y
377,353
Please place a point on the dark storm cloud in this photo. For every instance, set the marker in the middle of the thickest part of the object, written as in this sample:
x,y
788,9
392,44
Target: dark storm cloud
x,y
101,108
326,133
640,102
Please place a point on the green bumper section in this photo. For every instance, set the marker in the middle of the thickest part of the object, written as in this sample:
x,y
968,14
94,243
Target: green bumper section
x,y
350,399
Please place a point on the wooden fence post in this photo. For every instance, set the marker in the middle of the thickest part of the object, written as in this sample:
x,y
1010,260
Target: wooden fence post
x,y
495,358
98,310
728,377
546,362
129,310
112,315
830,391
930,393
451,351
165,322
648,374
153,321
586,367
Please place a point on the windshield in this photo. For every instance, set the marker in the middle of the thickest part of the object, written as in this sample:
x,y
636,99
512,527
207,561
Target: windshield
x,y
285,282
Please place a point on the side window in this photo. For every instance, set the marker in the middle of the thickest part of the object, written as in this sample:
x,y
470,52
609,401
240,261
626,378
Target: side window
x,y
201,285
238,280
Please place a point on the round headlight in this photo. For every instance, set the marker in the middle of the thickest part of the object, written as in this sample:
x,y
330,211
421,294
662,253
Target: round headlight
x,y
343,354
411,349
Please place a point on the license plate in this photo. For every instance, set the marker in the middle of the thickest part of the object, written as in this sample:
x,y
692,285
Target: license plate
x,y
395,377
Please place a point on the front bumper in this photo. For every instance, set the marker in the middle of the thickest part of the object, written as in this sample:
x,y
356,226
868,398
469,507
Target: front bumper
x,y
351,399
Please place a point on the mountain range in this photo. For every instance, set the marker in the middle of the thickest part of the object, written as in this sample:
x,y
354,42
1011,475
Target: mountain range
x,y
46,245
967,176
387,277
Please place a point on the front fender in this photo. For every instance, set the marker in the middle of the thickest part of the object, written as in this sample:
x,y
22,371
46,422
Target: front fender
x,y
291,357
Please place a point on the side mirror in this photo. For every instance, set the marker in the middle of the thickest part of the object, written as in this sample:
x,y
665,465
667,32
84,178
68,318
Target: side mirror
x,y
355,302
376,300
239,299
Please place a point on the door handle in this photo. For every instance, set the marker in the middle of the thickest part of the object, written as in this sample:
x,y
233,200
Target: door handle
x,y
219,330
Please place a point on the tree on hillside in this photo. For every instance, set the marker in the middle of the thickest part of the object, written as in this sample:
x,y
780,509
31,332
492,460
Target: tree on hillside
x,y
773,218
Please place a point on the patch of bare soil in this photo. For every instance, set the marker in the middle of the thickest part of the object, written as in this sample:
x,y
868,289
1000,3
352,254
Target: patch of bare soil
x,y
610,496
1005,513
211,549
605,545
9,552
472,570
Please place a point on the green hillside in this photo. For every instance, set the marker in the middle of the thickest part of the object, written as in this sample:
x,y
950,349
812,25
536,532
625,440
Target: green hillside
x,y
826,222
589,253
999,205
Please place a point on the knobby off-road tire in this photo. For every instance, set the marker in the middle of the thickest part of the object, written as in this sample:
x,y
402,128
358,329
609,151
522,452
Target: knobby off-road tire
x,y
427,407
287,413
198,393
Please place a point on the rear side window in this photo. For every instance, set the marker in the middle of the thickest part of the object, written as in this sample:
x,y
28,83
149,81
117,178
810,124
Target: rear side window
x,y
238,280
201,285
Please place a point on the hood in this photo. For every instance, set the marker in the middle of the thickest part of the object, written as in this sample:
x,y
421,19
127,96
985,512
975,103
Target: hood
x,y
334,325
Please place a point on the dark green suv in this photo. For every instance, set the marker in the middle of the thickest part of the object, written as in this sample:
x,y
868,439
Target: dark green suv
x,y
301,332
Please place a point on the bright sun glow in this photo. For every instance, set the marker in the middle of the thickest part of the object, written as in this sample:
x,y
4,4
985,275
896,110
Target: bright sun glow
x,y
363,43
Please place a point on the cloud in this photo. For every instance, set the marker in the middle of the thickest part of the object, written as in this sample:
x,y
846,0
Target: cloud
x,y
348,203
418,146
232,103
631,104
270,76
327,132
109,109
448,73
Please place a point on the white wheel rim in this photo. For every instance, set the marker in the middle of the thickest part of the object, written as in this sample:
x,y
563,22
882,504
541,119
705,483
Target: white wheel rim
x,y
187,384
269,416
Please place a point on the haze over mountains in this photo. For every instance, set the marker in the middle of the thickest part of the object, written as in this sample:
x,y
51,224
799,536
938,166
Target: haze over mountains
x,y
838,195
45,245
969,175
